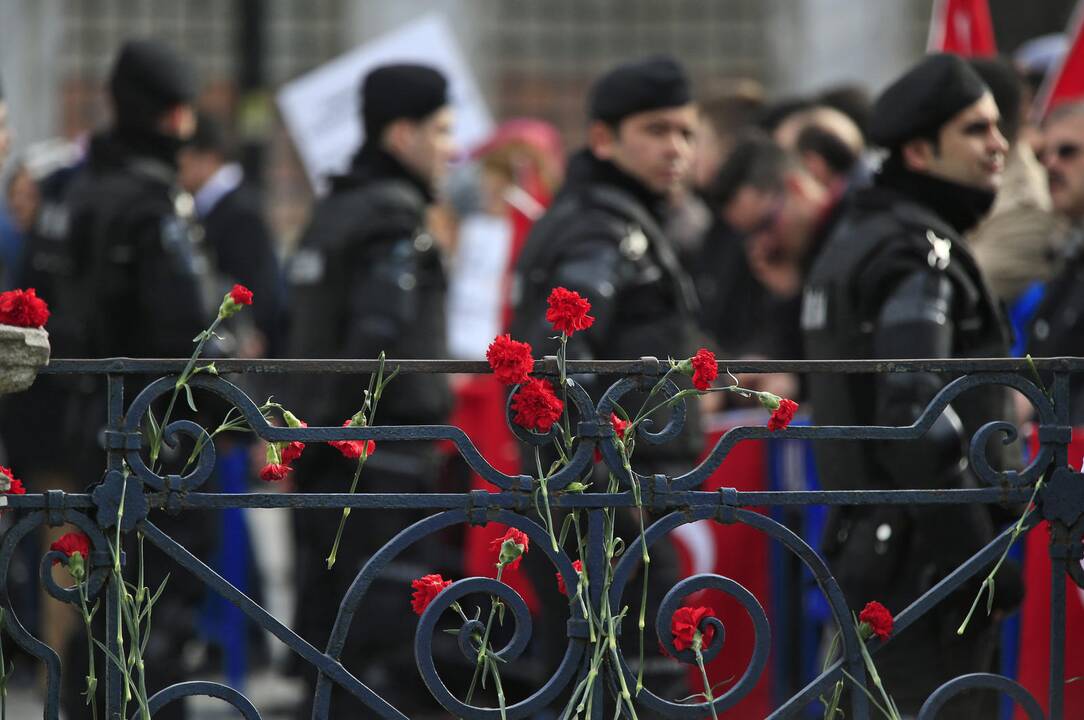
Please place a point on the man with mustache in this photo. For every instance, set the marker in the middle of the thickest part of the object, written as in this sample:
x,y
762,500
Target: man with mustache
x,y
895,280
1058,323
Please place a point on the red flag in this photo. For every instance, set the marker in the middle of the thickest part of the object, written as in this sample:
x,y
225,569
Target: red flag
x,y
962,27
1067,81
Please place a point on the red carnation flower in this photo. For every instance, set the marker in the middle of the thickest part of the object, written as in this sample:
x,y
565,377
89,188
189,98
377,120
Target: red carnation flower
x,y
879,620
292,452
619,426
705,369
353,449
568,311
783,414
511,553
577,565
536,405
686,623
9,484
73,542
510,359
274,472
241,295
23,308
426,588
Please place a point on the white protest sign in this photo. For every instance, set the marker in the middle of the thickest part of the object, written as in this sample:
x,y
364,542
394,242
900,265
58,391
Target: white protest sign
x,y
321,108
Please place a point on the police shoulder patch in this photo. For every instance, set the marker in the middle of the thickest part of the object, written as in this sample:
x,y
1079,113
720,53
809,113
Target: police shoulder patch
x,y
306,267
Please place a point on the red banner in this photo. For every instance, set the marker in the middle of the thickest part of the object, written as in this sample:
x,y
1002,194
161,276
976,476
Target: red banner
x,y
962,27
1067,81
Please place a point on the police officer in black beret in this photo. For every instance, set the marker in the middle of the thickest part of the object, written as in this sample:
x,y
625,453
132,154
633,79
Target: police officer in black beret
x,y
141,288
130,222
603,238
369,278
895,280
603,235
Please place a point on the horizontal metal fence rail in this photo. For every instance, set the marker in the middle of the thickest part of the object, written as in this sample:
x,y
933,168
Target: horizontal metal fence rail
x,y
676,499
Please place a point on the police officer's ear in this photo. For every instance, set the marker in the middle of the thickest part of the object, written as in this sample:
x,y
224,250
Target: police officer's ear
x,y
601,138
918,154
178,121
398,137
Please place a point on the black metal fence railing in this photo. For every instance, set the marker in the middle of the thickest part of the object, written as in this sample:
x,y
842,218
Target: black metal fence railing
x,y
673,500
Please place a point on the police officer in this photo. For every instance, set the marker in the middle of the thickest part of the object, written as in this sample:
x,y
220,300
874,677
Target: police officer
x,y
369,278
130,229
602,238
141,283
894,280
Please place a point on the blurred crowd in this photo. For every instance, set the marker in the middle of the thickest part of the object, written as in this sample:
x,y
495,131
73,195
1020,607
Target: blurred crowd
x,y
941,218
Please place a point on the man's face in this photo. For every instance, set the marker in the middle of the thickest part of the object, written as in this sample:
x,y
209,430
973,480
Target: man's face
x,y
5,135
427,146
1063,156
195,167
655,146
970,149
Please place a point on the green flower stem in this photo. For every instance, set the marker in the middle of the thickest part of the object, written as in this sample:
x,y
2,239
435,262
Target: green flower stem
x,y
698,641
182,380
831,707
479,663
364,417
542,482
562,354
645,556
497,684
988,582
88,616
583,587
346,511
889,708
118,580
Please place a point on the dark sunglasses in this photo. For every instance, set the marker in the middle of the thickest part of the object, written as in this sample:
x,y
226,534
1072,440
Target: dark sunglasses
x,y
1064,151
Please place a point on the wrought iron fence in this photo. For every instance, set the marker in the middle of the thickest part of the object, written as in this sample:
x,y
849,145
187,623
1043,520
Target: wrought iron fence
x,y
674,499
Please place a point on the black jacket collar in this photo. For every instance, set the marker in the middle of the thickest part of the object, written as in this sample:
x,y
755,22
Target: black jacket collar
x,y
961,206
372,164
585,170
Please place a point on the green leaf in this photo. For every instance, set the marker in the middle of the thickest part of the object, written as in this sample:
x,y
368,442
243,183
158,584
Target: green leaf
x,y
188,394
153,422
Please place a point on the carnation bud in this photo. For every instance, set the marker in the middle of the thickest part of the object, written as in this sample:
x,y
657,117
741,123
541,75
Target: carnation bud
x,y
770,401
5,482
228,308
575,487
685,367
510,552
274,454
291,419
76,565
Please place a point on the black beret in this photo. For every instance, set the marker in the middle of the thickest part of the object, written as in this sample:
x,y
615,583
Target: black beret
x,y
925,98
391,92
149,78
649,84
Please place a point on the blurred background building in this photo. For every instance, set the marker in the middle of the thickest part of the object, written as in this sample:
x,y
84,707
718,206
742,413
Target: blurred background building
x,y
530,58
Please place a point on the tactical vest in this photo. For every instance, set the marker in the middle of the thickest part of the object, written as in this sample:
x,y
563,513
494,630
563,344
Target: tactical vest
x,y
654,304
382,222
657,303
882,239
